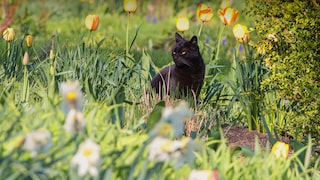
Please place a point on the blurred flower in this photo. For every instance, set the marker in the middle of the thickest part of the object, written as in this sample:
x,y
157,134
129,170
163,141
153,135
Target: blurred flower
x,y
92,22
228,15
86,160
37,141
52,55
25,59
203,175
241,33
29,40
172,120
71,94
268,62
178,152
130,6
280,149
225,4
204,12
272,37
8,34
74,122
182,23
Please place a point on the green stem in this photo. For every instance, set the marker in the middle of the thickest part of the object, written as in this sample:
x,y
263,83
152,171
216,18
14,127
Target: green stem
x,y
200,30
219,42
25,84
127,36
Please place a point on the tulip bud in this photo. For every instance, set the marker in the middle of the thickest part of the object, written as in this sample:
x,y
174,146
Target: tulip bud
x,y
182,23
92,22
29,40
25,59
51,70
8,34
52,55
130,6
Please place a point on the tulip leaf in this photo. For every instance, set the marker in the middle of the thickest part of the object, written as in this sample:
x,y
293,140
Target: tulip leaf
x,y
155,115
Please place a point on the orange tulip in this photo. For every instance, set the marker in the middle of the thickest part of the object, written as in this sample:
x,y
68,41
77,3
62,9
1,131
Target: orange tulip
x,y
182,23
29,40
130,6
241,33
92,22
204,13
228,15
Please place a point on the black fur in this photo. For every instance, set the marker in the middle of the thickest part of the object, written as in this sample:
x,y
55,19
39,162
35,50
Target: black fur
x,y
187,72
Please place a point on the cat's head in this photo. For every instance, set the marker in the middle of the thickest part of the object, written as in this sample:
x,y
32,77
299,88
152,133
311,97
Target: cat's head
x,y
186,52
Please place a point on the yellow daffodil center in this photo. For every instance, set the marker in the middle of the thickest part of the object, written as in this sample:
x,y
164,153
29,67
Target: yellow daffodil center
x,y
87,152
71,96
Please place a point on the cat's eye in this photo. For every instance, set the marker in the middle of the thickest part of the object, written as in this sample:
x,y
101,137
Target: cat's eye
x,y
174,53
183,52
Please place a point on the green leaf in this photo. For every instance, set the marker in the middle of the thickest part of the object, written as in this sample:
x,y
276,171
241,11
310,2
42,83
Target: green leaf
x,y
155,115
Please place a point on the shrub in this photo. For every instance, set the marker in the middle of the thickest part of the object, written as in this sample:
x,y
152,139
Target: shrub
x,y
289,37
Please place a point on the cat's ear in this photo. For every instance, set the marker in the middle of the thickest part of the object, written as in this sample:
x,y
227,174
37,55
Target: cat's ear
x,y
178,37
194,40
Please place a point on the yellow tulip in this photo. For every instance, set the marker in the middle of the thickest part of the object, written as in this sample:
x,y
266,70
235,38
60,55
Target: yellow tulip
x,y
92,22
52,55
130,6
29,40
182,23
8,34
204,13
280,149
225,4
228,15
241,33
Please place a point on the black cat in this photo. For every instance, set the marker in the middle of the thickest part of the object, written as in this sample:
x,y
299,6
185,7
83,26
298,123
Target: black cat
x,y
186,75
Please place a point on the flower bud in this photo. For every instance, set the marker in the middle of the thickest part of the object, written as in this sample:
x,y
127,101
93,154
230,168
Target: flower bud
x,y
25,59
52,55
29,40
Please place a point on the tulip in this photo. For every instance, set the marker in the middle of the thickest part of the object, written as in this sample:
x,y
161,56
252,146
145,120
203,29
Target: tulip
x,y
182,23
280,149
8,34
204,13
25,59
92,22
241,33
29,40
225,4
228,15
130,6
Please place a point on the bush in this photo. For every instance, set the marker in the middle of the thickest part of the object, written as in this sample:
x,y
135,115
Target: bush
x,y
289,33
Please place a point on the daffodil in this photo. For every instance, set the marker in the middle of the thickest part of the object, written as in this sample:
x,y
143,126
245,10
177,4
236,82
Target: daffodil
x,y
87,158
177,152
228,15
182,23
8,34
204,12
280,149
92,22
172,120
37,141
241,33
71,94
74,122
29,40
130,6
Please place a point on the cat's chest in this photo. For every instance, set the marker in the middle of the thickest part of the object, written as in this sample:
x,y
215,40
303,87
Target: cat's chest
x,y
187,78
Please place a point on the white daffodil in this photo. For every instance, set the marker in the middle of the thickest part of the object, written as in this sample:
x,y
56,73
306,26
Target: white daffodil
x,y
74,122
86,160
174,116
178,152
37,141
71,94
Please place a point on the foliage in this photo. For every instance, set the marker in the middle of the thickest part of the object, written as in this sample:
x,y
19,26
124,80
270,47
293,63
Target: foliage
x,y
289,37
